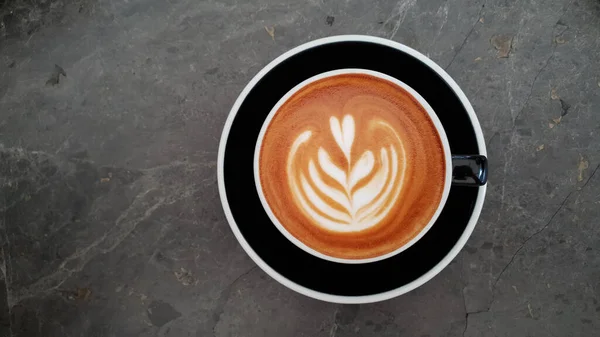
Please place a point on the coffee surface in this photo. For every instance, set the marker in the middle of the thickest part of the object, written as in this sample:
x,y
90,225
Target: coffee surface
x,y
352,166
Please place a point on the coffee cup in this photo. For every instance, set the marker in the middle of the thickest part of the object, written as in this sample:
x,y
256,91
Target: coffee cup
x,y
354,166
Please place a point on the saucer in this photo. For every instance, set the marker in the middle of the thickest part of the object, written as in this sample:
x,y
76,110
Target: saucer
x,y
273,252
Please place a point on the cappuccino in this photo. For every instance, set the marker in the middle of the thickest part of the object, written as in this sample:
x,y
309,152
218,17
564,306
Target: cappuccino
x,y
352,166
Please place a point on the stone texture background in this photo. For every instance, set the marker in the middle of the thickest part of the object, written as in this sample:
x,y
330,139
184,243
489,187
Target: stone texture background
x,y
110,117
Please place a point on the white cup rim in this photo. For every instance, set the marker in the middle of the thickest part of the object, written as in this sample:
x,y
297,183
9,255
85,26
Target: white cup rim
x,y
326,296
436,122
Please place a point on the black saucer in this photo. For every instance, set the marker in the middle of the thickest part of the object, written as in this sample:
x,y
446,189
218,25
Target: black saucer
x,y
289,262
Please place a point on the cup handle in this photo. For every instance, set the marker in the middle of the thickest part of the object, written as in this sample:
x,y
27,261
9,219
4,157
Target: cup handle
x,y
469,170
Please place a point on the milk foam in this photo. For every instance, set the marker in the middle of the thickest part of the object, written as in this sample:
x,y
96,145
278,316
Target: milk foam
x,y
365,190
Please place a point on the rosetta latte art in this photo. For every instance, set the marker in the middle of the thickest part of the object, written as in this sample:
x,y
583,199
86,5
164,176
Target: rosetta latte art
x,y
355,195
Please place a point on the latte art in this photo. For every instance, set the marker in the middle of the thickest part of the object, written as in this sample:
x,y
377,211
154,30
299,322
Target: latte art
x,y
364,190
350,166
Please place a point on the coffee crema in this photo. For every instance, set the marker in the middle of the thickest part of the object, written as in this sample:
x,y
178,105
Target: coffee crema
x,y
352,166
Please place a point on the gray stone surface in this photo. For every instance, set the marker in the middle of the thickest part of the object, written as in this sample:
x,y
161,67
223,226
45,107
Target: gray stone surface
x,y
110,219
